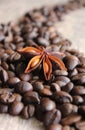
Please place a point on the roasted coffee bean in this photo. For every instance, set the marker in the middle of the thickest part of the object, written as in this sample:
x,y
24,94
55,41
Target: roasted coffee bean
x,y
60,73
3,108
66,109
31,97
14,57
45,92
71,119
77,100
68,87
79,78
16,108
47,104
28,111
63,78
11,74
37,86
62,97
12,81
22,87
5,91
80,125
55,87
55,127
3,75
52,117
7,98
78,90
5,65
25,77
71,62
60,83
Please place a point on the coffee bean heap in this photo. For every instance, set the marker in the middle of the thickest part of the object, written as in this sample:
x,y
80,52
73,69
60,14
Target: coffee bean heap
x,y
60,102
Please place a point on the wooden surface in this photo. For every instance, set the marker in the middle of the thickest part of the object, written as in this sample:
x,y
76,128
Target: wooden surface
x,y
73,28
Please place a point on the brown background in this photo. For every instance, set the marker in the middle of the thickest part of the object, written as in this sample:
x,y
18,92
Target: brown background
x,y
73,28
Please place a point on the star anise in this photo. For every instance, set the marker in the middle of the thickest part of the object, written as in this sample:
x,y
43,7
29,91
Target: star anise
x,y
41,55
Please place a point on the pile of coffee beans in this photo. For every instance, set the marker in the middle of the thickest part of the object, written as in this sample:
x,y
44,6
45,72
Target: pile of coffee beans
x,y
60,102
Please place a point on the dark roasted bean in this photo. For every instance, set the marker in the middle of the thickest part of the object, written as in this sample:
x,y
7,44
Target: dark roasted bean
x,y
55,87
60,73
37,86
62,97
45,92
52,117
79,78
31,97
80,125
78,90
63,78
47,104
71,119
71,62
77,100
22,87
12,81
68,87
15,108
3,75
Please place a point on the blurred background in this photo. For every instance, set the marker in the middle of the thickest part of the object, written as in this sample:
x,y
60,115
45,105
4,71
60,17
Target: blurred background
x,y
13,9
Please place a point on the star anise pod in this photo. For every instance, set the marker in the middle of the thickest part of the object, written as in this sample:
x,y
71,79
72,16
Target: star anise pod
x,y
41,55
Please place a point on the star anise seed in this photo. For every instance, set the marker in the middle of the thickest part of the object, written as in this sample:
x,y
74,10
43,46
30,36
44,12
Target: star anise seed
x,y
42,55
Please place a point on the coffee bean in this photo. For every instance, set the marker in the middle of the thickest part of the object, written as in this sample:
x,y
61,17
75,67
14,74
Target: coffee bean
x,y
66,109
60,73
62,97
25,77
45,92
62,78
22,87
55,87
80,125
28,111
68,87
31,97
78,90
77,100
12,81
37,86
11,74
15,108
47,104
3,75
60,83
55,127
71,119
71,62
52,117
3,108
7,98
79,79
